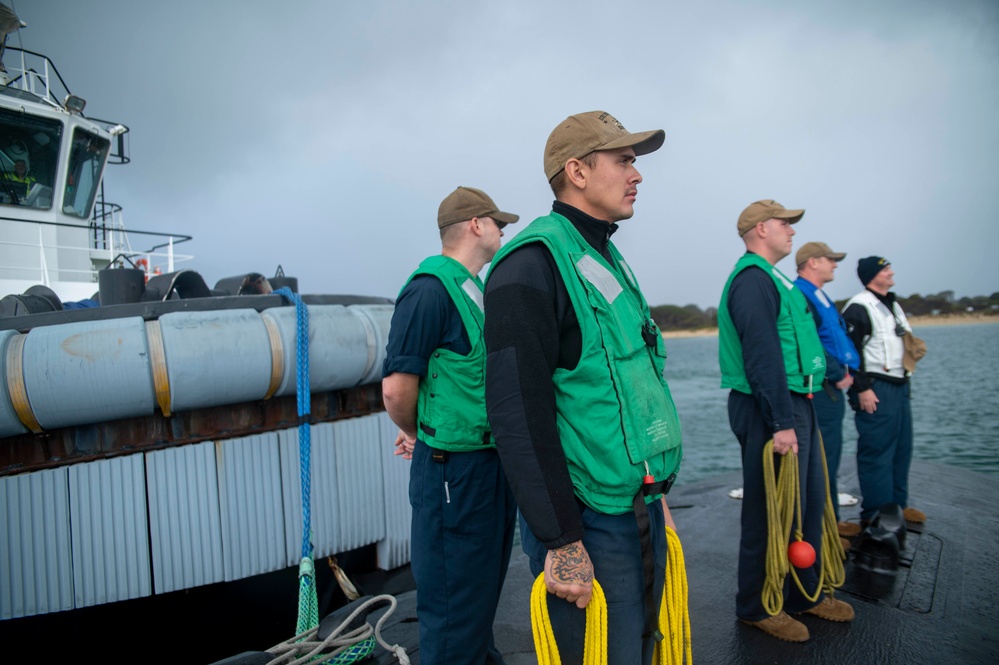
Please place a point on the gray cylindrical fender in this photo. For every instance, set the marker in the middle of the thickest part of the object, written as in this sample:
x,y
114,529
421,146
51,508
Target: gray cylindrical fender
x,y
215,357
89,371
337,347
377,320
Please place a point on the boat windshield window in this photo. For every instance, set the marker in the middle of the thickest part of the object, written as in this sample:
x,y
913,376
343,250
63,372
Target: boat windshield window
x,y
86,163
29,152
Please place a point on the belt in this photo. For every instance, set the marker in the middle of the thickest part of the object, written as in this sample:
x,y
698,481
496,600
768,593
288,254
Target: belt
x,y
831,390
649,488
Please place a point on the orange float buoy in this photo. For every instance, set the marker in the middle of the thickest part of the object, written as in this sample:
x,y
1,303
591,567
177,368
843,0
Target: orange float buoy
x,y
801,554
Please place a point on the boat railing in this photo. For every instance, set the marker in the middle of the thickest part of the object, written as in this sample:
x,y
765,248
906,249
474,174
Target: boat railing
x,y
35,73
108,244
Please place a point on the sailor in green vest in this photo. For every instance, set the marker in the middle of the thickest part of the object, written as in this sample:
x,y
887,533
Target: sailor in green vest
x,y
576,396
772,360
433,387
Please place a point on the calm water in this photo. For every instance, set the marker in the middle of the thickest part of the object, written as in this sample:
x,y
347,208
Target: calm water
x,y
955,402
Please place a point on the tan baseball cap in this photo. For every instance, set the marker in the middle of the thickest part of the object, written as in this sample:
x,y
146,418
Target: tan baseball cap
x,y
465,203
761,211
583,133
816,250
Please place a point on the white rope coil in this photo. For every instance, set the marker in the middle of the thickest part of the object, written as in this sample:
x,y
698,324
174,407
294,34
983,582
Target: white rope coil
x,y
305,648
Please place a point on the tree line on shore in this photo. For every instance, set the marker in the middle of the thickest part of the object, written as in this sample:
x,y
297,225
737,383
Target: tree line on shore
x,y
692,317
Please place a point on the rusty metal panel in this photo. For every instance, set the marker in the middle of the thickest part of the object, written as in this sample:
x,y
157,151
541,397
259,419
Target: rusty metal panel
x,y
184,521
110,531
251,505
35,564
71,445
394,548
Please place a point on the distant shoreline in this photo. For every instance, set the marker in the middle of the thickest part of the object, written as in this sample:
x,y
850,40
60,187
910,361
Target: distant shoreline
x,y
953,319
915,321
699,332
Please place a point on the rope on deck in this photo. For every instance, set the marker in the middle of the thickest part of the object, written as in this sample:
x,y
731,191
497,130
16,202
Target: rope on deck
x,y
341,646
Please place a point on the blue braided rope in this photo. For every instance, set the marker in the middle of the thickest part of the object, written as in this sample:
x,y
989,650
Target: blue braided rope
x,y
308,603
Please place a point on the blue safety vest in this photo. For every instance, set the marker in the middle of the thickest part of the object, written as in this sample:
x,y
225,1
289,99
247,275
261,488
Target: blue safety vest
x,y
832,329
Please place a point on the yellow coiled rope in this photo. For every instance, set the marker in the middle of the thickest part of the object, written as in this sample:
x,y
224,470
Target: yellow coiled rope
x,y
674,619
595,648
833,554
783,498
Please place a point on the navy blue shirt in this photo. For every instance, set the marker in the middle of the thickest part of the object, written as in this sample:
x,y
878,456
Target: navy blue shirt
x,y
425,319
754,304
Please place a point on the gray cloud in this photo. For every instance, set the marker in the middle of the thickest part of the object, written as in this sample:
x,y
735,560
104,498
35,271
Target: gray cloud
x,y
322,135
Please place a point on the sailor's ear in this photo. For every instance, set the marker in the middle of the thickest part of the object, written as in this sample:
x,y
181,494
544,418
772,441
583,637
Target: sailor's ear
x,y
574,173
478,225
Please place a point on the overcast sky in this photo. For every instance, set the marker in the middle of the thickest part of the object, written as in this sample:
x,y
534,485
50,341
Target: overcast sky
x,y
322,135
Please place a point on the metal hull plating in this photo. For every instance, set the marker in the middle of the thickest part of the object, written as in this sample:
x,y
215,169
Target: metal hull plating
x,y
127,471
176,518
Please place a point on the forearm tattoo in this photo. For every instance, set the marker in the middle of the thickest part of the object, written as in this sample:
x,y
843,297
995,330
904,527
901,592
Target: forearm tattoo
x,y
571,565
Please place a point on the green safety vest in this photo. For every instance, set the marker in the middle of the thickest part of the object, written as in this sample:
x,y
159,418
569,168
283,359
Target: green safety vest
x,y
614,409
451,407
804,357
25,183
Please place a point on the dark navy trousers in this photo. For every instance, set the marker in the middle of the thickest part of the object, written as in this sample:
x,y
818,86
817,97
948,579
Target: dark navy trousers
x,y
829,411
462,536
753,431
884,449
612,541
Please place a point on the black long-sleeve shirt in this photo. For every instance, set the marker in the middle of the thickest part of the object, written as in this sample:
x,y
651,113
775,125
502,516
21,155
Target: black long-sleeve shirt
x,y
754,304
531,330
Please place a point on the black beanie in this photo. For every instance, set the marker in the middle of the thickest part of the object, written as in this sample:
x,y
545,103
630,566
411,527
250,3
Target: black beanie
x,y
869,266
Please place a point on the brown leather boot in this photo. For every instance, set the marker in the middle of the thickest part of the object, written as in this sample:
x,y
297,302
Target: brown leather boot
x,y
831,609
848,529
782,627
914,515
